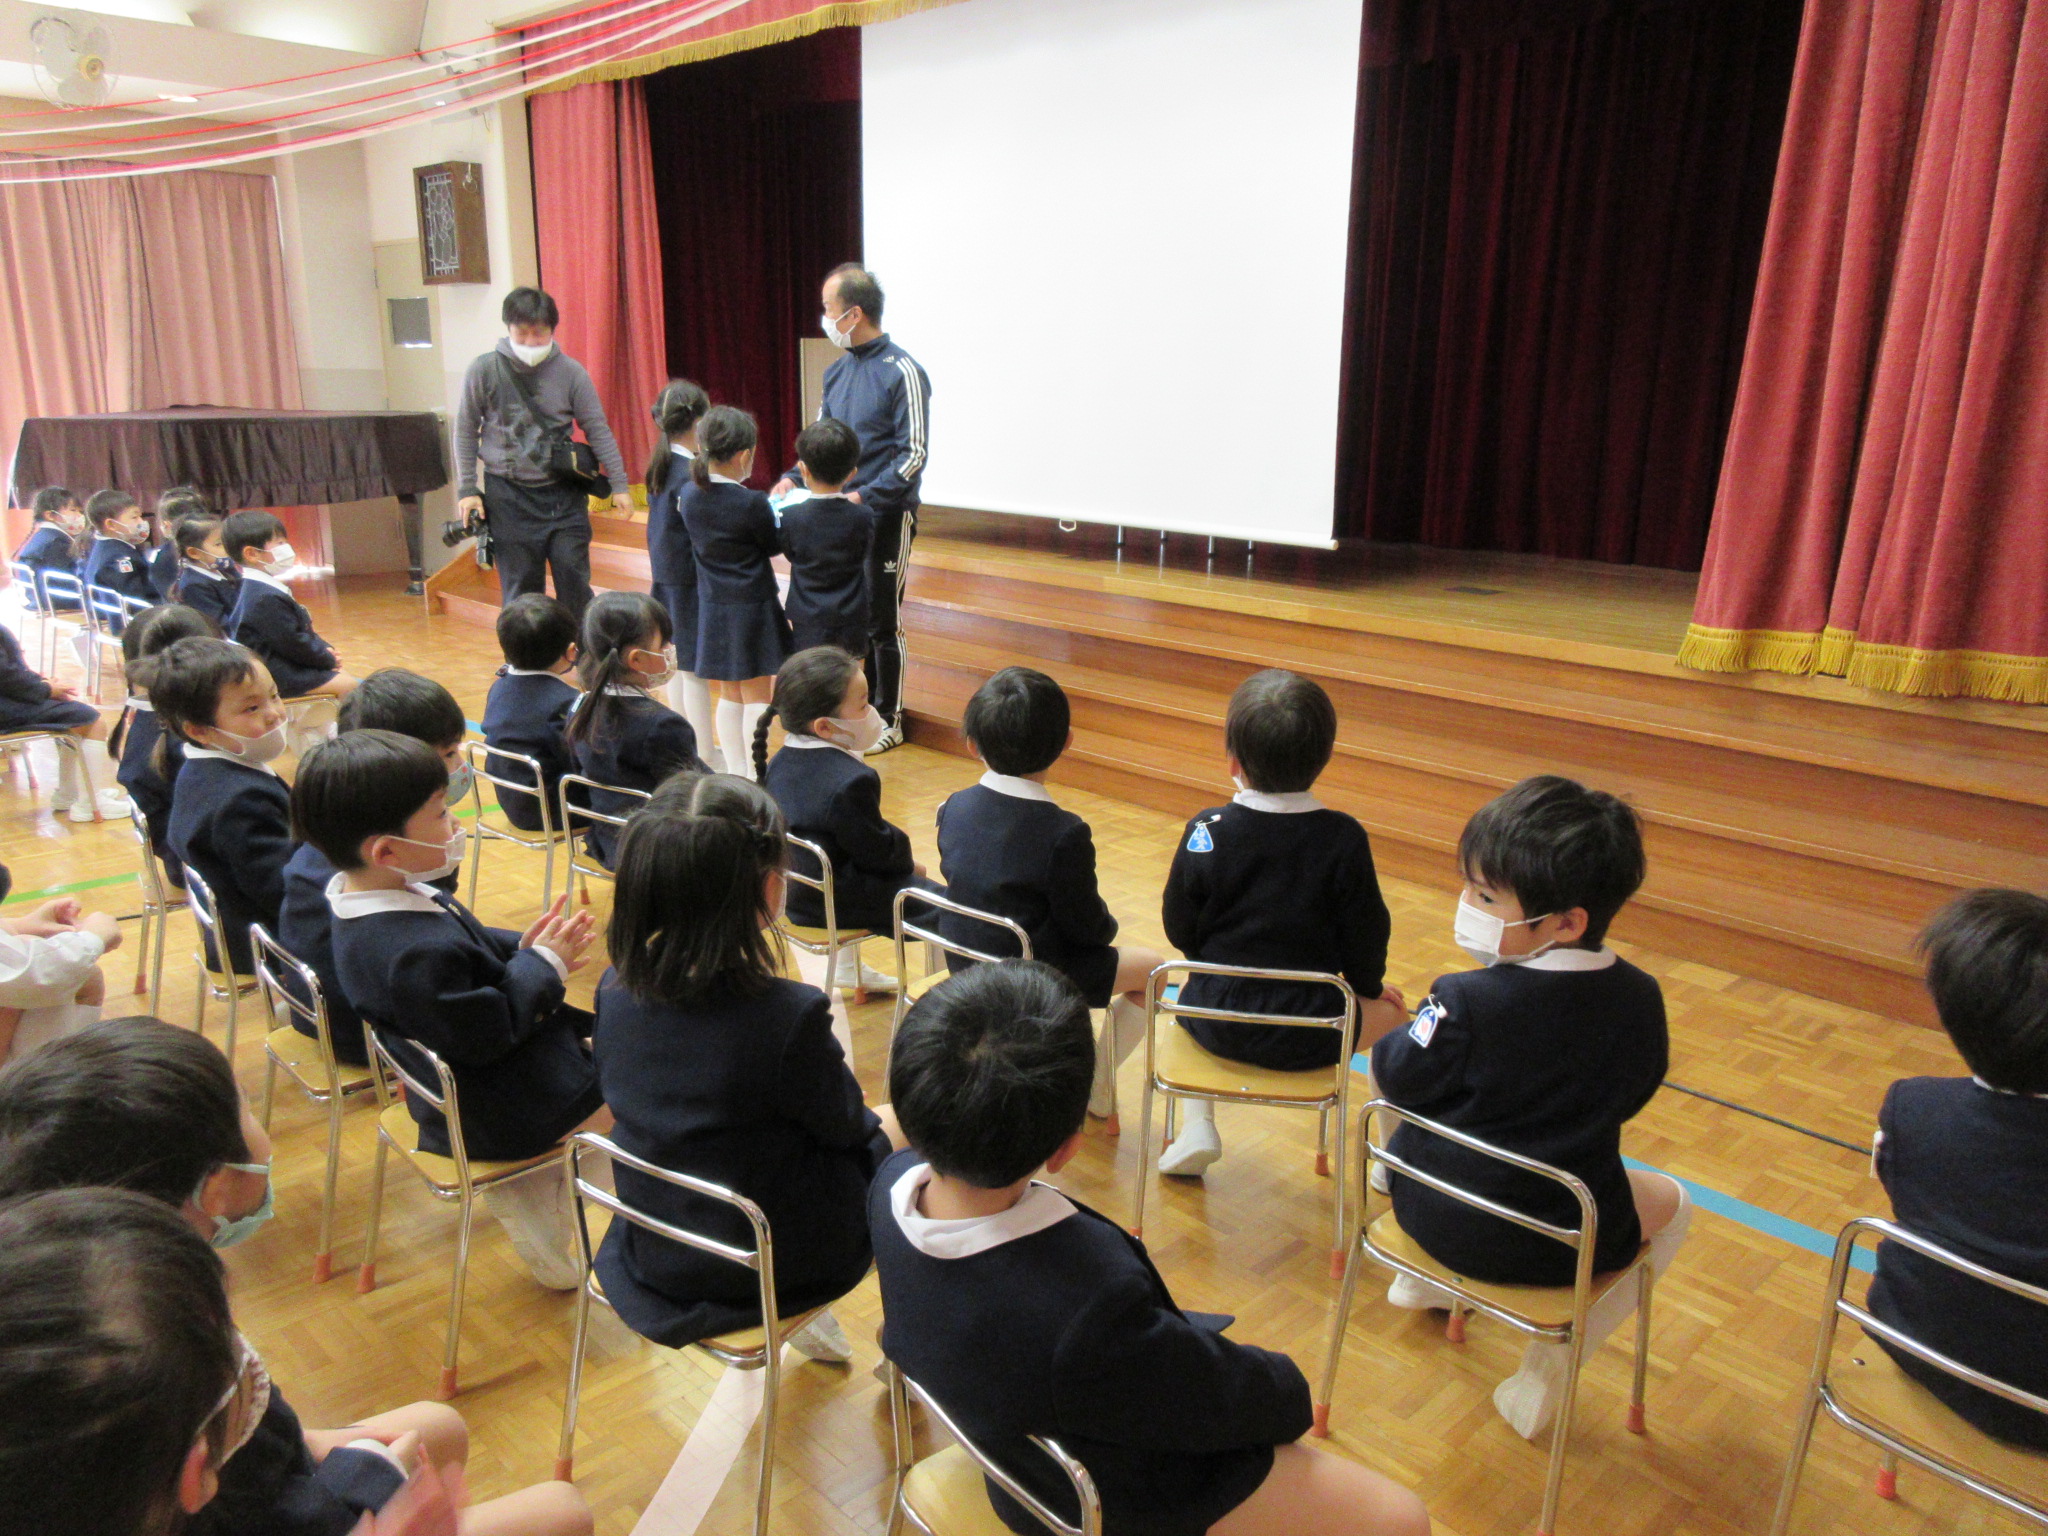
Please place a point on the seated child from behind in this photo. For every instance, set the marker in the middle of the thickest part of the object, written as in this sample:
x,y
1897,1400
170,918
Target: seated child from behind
x,y
268,619
827,539
529,703
1024,1312
1547,1052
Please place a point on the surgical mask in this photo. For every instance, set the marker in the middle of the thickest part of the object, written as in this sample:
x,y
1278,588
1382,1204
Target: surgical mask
x,y
533,357
280,557
461,779
1479,933
71,522
451,855
139,534
838,338
861,733
668,670
226,1232
253,749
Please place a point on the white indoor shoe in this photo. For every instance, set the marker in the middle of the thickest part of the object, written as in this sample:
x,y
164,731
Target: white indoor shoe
x,y
1193,1150
534,1213
1528,1399
822,1339
870,978
113,806
1413,1295
892,737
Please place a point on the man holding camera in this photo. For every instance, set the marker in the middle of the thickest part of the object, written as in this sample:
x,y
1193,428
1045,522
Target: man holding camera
x,y
520,404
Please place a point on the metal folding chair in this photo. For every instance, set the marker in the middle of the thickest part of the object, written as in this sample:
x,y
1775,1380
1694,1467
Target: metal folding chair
x,y
1869,1395
945,1495
60,740
828,940
1555,1313
64,613
105,614
309,1061
25,597
455,1176
221,984
747,1349
1179,1067
157,907
569,815
480,756
937,944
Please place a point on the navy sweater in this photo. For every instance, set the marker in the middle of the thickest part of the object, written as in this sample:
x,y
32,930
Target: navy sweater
x,y
1070,1334
880,391
751,1092
636,743
827,540
833,799
209,593
233,824
275,625
526,713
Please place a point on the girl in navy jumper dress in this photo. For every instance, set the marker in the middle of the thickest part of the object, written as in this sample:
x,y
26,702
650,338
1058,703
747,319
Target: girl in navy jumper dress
x,y
135,739
676,411
716,1066
618,731
29,702
207,579
742,635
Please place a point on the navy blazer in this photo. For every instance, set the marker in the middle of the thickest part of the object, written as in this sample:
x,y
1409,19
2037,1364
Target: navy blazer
x,y
754,1093
120,567
164,565
637,743
305,926
276,626
525,713
272,1484
138,774
827,540
492,1011
1069,1333
732,535
47,548
669,557
833,799
209,593
233,823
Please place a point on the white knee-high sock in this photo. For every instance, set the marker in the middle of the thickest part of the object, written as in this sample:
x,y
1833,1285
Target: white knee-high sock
x,y
98,767
690,696
67,775
750,722
732,751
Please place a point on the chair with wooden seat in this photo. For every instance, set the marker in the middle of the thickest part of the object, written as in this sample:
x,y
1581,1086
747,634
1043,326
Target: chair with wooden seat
x,y
1864,1390
1553,1313
455,1176
157,907
490,825
746,1349
946,1494
214,983
936,944
569,814
1178,1066
830,939
308,1060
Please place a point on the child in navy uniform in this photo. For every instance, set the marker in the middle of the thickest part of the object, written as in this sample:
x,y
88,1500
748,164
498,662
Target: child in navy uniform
x,y
173,507
1965,1161
115,560
230,812
742,635
52,542
154,631
1277,880
417,964
831,798
715,1064
1024,1312
389,699
1005,848
619,732
268,619
1547,1052
30,702
677,410
827,539
206,579
528,706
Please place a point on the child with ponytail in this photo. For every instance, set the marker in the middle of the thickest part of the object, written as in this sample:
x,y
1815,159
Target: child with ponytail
x,y
831,798
742,635
677,411
620,733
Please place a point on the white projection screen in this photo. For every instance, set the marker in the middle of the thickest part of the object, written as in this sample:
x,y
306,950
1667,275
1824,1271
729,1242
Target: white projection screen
x,y
1114,233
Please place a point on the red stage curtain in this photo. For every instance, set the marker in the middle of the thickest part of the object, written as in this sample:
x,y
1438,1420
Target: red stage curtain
x,y
600,251
1881,509
757,186
1556,222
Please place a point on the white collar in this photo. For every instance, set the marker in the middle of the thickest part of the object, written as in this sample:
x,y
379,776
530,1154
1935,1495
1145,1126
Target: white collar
x,y
1569,960
2010,1093
678,448
626,691
202,753
202,570
412,898
1042,1206
718,479
111,538
538,672
827,496
265,579
1009,784
807,743
135,703
1289,802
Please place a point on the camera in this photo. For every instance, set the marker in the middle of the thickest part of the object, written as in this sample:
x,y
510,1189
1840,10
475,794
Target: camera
x,y
456,529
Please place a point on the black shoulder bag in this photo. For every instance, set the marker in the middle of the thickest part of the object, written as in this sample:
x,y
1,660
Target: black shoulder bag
x,y
554,448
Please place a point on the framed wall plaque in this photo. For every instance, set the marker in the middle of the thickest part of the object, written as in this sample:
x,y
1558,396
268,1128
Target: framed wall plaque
x,y
450,201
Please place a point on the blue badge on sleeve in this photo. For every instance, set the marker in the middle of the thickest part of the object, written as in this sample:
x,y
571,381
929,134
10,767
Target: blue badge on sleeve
x,y
1427,1017
1199,840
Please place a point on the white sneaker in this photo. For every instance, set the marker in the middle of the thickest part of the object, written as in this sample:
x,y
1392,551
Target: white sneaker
x,y
113,806
1413,1295
870,978
1381,1178
1193,1150
822,1339
1528,1399
892,737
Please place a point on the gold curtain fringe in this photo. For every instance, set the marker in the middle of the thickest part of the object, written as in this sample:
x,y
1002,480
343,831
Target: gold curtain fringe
x,y
1706,649
1835,652
847,13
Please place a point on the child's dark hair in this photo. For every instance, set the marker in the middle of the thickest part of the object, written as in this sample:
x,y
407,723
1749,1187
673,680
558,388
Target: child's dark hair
x,y
1557,845
1018,721
393,699
1987,967
129,1103
679,407
1281,728
723,432
186,682
829,450
191,532
613,624
360,785
990,1071
535,632
107,505
529,306
244,529
811,683
117,1352
181,502
51,500
689,909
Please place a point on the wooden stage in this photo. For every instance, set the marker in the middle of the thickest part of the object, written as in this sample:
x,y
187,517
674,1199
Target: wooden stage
x,y
1800,830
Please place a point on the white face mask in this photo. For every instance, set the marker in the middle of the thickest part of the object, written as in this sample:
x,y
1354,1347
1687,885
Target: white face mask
x,y
533,357
668,666
838,338
251,749
451,856
860,733
1479,933
280,557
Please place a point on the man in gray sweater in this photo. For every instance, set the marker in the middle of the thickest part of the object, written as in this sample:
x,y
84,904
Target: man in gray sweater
x,y
537,523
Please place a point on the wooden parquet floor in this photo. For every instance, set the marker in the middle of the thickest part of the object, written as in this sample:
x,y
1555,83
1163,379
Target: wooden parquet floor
x,y
1735,1318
